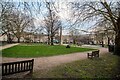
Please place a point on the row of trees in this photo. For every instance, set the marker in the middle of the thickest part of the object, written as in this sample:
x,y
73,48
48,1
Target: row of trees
x,y
104,12
14,22
17,20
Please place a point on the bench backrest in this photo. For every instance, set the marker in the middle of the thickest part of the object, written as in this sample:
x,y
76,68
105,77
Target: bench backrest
x,y
16,67
95,52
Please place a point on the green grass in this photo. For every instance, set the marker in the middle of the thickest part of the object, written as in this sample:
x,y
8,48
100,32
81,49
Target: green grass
x,y
38,50
107,66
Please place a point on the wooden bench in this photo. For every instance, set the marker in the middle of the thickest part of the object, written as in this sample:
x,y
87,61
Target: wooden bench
x,y
93,54
17,67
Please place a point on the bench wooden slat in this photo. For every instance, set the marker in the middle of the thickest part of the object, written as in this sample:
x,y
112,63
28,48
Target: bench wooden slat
x,y
5,68
24,65
21,66
16,67
29,65
93,54
9,68
2,70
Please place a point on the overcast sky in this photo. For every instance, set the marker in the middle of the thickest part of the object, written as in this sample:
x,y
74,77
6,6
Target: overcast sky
x,y
63,10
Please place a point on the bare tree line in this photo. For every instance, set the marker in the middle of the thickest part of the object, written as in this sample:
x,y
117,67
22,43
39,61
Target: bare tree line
x,y
14,21
104,12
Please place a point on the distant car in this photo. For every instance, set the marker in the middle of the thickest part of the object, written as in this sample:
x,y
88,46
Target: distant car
x,y
55,41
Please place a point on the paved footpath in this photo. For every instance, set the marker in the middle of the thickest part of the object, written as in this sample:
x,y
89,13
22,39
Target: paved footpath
x,y
7,46
43,63
52,61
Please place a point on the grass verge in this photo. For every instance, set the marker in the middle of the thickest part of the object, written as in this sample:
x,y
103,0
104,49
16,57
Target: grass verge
x,y
107,66
37,50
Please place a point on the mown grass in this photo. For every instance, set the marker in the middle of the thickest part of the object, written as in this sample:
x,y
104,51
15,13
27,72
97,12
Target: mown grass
x,y
107,66
38,50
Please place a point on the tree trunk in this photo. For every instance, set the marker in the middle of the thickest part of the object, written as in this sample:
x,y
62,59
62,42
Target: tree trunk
x,y
51,40
48,39
108,41
9,40
102,43
18,40
117,45
60,35
74,41
117,39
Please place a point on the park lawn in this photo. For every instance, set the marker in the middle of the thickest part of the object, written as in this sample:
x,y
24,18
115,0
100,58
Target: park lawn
x,y
107,66
28,51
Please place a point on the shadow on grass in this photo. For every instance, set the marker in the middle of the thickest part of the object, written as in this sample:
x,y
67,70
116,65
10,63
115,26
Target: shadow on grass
x,y
118,76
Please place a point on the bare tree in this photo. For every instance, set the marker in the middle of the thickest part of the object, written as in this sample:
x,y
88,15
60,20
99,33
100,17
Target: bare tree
x,y
52,23
102,11
74,35
50,17
104,34
20,22
14,21
6,11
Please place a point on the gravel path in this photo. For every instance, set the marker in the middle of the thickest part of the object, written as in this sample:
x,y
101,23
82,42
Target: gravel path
x,y
42,63
8,45
47,62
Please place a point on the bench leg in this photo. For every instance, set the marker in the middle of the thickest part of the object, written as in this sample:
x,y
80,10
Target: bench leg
x,y
98,55
89,56
31,71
